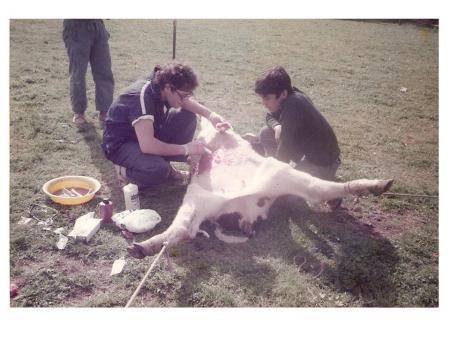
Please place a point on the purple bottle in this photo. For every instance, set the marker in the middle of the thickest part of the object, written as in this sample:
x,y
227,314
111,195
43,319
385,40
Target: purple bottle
x,y
105,210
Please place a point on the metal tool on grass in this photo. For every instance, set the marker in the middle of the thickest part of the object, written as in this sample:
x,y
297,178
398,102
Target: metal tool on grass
x,y
152,266
42,213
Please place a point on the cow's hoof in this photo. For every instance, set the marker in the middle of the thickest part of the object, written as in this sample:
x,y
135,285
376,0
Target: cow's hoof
x,y
136,251
382,187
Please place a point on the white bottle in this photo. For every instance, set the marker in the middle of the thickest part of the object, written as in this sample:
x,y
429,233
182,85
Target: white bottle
x,y
131,197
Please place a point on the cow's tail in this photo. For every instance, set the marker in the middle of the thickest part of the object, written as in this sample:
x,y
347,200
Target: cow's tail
x,y
228,238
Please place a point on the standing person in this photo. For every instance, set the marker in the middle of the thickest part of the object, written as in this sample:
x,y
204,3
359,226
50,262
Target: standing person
x,y
296,130
142,135
86,41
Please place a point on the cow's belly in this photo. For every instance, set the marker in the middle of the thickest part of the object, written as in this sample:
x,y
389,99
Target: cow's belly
x,y
229,172
237,185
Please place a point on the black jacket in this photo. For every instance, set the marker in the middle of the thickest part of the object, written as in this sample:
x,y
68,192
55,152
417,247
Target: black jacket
x,y
304,132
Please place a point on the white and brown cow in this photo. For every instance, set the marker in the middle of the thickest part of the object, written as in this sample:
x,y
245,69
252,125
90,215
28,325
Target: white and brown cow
x,y
236,182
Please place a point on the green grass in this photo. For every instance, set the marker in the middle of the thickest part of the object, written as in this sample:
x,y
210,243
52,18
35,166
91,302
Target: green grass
x,y
375,251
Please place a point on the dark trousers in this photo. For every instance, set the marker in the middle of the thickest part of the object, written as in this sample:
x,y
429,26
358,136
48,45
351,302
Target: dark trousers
x,y
146,170
268,146
86,42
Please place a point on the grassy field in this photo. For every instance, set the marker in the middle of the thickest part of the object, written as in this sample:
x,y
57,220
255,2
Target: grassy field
x,y
376,252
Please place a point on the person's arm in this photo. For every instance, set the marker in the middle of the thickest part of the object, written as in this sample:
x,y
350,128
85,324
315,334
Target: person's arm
x,y
216,120
272,121
150,145
287,149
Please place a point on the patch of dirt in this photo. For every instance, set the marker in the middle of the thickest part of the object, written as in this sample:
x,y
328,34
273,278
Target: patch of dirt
x,y
388,224
97,271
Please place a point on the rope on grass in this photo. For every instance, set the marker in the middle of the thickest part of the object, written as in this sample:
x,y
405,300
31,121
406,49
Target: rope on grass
x,y
411,195
300,266
146,275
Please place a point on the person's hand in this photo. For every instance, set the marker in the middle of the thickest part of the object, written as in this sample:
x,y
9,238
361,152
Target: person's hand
x,y
222,126
277,130
218,122
196,147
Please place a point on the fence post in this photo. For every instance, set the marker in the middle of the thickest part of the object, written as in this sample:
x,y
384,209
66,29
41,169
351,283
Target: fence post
x,y
174,38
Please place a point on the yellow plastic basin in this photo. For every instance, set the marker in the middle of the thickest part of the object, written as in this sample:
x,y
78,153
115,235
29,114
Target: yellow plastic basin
x,y
71,190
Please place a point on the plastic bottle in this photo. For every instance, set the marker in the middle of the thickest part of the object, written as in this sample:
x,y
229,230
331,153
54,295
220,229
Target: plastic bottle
x,y
131,197
105,210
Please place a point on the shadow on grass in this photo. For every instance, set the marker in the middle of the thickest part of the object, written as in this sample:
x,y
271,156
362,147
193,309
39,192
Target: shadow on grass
x,y
217,271
363,261
348,256
105,167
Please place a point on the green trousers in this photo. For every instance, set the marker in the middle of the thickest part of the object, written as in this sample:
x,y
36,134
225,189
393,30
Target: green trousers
x,y
86,42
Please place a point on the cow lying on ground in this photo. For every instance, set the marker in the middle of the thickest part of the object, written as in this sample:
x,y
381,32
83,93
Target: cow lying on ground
x,y
234,183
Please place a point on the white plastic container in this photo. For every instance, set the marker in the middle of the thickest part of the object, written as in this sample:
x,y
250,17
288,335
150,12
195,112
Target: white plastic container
x,y
131,197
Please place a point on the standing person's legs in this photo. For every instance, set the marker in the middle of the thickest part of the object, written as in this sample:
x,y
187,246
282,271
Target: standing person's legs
x,y
179,128
78,45
142,169
100,59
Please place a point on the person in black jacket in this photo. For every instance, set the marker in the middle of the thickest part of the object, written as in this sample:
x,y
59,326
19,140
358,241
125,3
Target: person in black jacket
x,y
296,131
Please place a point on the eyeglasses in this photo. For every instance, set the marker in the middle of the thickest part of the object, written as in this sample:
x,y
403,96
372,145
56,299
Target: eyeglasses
x,y
182,94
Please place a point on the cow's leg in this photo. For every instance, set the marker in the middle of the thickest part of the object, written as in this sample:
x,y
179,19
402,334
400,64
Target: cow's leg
x,y
315,190
322,190
177,231
153,245
196,207
365,186
186,225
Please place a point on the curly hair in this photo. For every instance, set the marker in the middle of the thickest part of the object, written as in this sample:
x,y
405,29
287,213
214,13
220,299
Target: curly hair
x,y
177,75
273,81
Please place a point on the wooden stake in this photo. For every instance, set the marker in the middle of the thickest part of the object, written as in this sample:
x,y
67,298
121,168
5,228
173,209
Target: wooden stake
x,y
174,38
146,275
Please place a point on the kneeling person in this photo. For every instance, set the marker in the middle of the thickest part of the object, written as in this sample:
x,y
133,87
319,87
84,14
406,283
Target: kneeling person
x,y
295,131
142,135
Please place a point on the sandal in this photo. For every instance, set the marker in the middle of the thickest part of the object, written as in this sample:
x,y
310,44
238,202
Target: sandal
x,y
178,175
78,119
